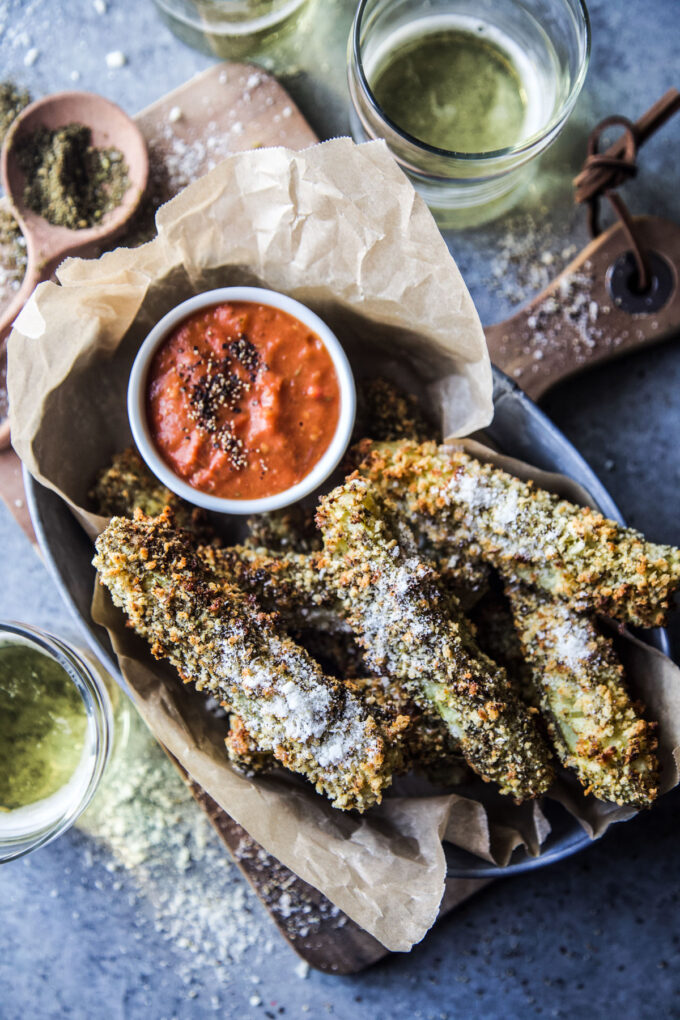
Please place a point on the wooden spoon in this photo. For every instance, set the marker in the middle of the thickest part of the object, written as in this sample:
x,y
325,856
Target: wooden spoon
x,y
48,245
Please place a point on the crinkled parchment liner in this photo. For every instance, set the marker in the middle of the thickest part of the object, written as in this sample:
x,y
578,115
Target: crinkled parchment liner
x,y
338,227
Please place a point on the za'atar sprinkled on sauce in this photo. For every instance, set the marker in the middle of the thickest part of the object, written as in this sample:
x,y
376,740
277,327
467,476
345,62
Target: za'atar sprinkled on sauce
x,y
243,400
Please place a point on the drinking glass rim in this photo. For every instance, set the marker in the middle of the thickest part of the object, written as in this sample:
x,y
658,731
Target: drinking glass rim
x,y
96,700
512,150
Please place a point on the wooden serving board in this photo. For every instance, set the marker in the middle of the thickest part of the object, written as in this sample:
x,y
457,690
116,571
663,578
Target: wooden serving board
x,y
232,108
578,321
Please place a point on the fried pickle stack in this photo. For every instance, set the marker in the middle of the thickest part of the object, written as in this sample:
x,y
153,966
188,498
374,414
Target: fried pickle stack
x,y
441,617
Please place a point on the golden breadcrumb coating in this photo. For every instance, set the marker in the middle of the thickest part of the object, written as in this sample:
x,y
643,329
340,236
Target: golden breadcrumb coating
x,y
528,534
394,605
218,638
428,746
385,412
289,530
285,583
244,754
294,586
595,727
127,485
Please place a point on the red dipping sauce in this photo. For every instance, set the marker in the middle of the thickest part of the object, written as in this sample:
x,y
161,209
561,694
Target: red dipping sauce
x,y
242,400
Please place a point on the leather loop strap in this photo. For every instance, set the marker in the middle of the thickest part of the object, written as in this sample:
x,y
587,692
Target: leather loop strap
x,y
604,171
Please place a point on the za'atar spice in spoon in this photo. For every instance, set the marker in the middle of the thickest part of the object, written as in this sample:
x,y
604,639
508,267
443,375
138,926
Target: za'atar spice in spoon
x,y
70,182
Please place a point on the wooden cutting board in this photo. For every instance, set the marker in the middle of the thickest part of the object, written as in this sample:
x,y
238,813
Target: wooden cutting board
x,y
591,313
231,108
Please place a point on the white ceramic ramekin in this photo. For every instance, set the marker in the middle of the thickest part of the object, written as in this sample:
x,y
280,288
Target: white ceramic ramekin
x,y
137,391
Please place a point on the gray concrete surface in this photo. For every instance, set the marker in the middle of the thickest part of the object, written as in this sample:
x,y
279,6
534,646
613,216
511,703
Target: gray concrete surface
x,y
598,935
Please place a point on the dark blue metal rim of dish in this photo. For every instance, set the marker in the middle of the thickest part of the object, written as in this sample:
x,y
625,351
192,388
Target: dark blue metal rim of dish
x,y
519,429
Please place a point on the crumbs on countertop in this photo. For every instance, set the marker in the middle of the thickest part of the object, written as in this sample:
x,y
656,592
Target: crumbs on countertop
x,y
524,263
147,831
145,825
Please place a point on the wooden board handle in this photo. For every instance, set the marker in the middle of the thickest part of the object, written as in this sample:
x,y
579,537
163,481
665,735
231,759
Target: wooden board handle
x,y
577,321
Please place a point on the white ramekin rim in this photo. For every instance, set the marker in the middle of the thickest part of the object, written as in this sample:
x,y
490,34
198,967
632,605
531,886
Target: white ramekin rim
x,y
137,388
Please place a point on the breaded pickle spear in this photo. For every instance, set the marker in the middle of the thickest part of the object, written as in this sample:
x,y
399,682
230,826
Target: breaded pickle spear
x,y
497,637
580,685
400,616
294,586
217,638
243,751
429,747
386,412
127,484
286,583
289,530
426,743
528,534
566,668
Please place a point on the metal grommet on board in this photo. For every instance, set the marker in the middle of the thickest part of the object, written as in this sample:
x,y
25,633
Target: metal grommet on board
x,y
622,284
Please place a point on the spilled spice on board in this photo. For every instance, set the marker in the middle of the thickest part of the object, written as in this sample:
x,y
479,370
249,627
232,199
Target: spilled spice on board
x,y
69,181
12,251
12,102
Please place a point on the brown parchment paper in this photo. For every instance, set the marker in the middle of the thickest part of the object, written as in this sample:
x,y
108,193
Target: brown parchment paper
x,y
340,228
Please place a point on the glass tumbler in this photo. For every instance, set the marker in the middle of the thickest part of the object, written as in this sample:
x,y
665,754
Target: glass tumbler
x,y
547,42
27,828
231,29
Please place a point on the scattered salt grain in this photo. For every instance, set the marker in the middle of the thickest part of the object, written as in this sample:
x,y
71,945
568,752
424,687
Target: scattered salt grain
x,y
302,969
31,56
99,6
524,262
115,59
237,128
255,1000
75,76
572,643
175,114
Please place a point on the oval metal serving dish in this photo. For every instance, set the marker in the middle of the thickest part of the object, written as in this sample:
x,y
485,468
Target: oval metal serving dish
x,y
519,429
